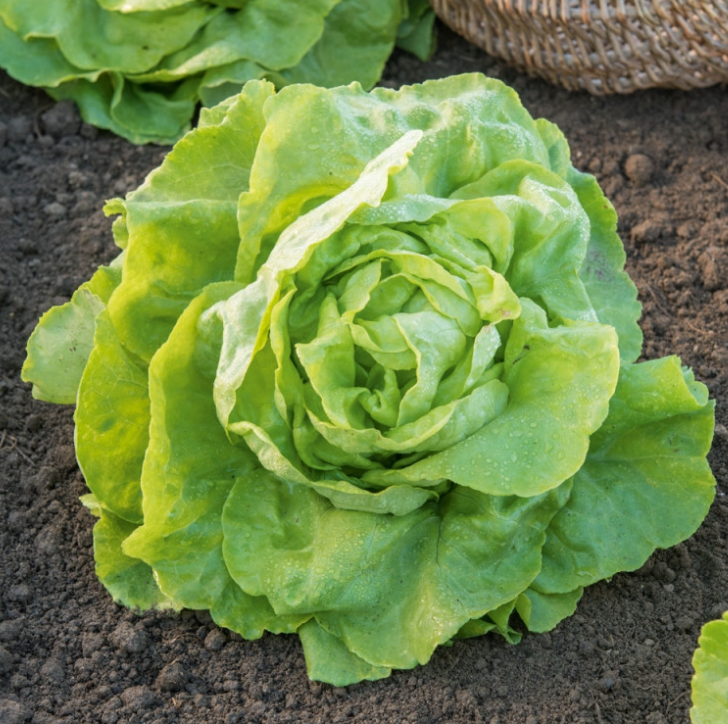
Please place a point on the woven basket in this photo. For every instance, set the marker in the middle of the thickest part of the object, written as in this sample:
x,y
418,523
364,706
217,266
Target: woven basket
x,y
603,46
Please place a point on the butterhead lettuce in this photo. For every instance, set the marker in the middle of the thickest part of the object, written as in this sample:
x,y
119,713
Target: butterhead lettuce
x,y
140,67
365,371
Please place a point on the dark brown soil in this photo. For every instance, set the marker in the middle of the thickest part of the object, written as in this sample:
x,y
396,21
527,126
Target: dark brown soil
x,y
69,654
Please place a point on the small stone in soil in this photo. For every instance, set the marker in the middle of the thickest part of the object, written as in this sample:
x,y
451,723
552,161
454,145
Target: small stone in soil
x,y
605,684
215,640
55,210
639,169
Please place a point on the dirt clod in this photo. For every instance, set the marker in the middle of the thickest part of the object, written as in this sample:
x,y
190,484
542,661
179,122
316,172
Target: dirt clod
x,y
62,119
19,128
713,264
53,671
215,640
19,593
129,639
138,698
12,712
172,677
646,231
10,630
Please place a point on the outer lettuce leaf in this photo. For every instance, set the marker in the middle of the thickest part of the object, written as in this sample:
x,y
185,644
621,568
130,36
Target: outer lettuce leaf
x,y
182,535
59,348
402,585
129,109
544,611
415,33
646,461
112,422
272,35
710,683
359,38
185,213
328,659
127,42
368,376
36,61
128,580
497,621
613,293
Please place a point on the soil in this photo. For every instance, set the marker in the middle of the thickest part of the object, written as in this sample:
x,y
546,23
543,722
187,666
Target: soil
x,y
69,654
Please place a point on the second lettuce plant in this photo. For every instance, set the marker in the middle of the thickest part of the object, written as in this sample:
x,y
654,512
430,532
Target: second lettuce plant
x,y
140,67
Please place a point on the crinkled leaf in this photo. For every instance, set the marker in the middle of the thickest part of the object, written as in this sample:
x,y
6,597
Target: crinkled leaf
x,y
128,580
60,345
112,422
551,374
645,483
185,214
393,587
328,659
544,611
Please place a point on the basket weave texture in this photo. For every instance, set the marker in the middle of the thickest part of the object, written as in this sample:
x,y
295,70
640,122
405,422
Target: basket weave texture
x,y
603,46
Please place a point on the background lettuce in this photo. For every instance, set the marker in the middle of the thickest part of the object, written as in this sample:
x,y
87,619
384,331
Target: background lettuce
x,y
140,67
710,682
368,375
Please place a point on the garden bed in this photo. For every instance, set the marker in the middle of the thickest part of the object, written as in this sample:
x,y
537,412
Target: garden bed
x,y
69,654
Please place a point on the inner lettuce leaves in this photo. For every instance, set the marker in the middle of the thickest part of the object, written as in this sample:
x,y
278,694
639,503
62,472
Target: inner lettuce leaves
x,y
365,370
140,67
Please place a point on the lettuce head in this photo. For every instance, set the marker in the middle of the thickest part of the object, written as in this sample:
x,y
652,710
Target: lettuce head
x,y
140,67
364,370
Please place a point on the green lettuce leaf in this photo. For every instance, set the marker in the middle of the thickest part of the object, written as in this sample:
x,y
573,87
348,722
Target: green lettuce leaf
x,y
59,348
709,687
